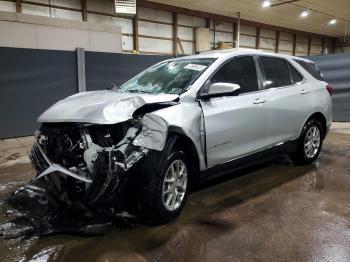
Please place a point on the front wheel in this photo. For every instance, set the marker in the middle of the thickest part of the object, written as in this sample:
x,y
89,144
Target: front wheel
x,y
309,143
166,187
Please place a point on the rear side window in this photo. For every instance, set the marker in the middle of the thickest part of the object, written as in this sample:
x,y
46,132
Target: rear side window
x,y
311,68
276,71
241,71
296,76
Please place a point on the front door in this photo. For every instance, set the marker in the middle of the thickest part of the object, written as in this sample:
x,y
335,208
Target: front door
x,y
235,125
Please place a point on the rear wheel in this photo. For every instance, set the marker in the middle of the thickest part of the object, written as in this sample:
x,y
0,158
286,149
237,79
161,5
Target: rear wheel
x,y
166,186
309,143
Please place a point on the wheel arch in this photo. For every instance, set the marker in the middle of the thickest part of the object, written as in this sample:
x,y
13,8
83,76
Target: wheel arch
x,y
320,117
177,138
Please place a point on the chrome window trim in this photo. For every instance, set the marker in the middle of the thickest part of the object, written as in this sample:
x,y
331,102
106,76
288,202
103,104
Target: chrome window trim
x,y
260,76
224,63
288,65
260,91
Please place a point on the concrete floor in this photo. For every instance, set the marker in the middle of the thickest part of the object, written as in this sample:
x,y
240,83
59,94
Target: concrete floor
x,y
276,212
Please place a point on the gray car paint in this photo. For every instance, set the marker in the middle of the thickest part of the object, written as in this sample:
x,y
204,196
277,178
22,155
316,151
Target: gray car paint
x,y
101,107
236,124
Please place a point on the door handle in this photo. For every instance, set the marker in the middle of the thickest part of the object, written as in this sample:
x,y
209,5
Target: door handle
x,y
303,92
259,101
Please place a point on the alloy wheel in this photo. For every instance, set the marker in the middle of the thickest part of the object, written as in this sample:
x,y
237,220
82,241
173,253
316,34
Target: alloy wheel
x,y
312,142
174,185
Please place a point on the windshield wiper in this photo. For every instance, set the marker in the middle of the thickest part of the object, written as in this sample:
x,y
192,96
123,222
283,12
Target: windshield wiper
x,y
138,91
113,87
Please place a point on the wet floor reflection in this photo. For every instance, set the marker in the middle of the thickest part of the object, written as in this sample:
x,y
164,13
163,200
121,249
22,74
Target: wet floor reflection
x,y
273,212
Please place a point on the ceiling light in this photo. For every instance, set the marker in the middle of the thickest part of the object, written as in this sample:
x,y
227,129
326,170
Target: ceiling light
x,y
266,3
333,22
305,13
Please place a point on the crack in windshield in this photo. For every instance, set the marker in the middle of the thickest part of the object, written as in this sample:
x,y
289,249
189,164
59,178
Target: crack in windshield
x,y
171,77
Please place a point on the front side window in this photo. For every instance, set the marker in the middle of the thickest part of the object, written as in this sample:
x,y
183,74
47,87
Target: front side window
x,y
171,77
241,71
276,72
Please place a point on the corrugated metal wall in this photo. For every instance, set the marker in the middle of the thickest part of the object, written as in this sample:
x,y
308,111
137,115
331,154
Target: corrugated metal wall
x,y
31,80
336,70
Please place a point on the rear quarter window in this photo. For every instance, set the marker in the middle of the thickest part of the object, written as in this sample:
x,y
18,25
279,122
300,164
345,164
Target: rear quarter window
x,y
296,76
311,68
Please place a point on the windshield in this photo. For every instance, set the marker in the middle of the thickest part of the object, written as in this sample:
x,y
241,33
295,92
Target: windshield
x,y
172,77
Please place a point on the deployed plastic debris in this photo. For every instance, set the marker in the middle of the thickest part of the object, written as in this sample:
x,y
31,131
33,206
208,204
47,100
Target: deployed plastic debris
x,y
83,174
33,210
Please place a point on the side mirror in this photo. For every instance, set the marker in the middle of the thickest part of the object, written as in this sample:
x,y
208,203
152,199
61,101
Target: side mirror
x,y
221,89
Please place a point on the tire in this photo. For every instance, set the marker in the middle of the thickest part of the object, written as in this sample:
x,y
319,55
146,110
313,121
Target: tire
x,y
157,168
312,133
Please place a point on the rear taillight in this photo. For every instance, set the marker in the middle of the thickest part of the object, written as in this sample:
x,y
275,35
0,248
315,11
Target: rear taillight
x,y
329,89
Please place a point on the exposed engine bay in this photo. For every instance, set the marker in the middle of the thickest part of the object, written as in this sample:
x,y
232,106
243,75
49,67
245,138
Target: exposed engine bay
x,y
91,160
83,169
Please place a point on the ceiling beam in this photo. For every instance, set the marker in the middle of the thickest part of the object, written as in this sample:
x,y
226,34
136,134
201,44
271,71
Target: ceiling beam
x,y
175,34
135,33
18,6
283,3
277,46
294,44
292,2
257,38
83,10
229,19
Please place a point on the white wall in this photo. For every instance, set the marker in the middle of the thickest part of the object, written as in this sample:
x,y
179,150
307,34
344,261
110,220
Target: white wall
x,y
223,32
54,12
155,28
7,6
286,43
155,31
28,31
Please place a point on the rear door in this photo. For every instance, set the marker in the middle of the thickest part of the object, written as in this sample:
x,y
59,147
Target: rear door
x,y
235,125
288,100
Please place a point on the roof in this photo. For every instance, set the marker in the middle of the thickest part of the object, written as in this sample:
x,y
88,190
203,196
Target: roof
x,y
231,52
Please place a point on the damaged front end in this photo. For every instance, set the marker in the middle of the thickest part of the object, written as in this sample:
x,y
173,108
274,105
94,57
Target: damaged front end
x,y
91,161
84,172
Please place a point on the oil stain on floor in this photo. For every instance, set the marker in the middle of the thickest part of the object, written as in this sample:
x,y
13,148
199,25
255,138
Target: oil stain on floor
x,y
272,212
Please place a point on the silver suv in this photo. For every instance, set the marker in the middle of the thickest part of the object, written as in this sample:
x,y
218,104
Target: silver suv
x,y
141,146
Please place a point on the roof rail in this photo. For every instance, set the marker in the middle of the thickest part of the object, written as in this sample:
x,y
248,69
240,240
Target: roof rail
x,y
229,50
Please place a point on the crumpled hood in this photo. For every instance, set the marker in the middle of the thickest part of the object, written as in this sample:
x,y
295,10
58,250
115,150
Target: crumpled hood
x,y
101,107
